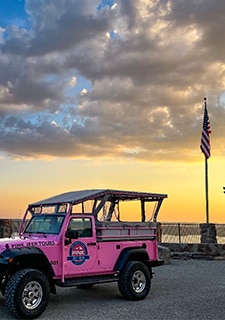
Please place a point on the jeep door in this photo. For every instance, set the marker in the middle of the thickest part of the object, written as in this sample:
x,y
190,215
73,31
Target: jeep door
x,y
81,252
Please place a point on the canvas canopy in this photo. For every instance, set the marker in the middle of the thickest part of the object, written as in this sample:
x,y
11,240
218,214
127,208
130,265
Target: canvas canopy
x,y
75,197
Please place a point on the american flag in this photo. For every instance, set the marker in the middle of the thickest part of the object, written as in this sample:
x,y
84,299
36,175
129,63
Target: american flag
x,y
206,130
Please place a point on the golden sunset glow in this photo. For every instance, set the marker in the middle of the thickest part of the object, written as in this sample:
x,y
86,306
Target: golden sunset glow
x,y
183,182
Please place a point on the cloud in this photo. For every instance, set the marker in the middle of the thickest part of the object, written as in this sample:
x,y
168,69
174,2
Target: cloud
x,y
84,80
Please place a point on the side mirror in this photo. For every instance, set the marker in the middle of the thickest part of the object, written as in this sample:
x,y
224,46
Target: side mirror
x,y
72,234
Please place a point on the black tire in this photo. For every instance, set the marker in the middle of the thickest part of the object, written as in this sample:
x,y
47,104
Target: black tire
x,y
27,294
85,286
134,281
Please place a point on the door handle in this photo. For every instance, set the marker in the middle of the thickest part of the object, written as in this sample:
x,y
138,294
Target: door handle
x,y
91,244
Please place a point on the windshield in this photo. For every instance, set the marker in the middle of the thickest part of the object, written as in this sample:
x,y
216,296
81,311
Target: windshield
x,y
45,223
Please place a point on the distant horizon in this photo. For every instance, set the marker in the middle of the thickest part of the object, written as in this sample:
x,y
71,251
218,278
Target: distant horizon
x,y
159,221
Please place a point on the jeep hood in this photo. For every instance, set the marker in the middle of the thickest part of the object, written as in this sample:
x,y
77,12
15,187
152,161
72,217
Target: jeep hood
x,y
18,242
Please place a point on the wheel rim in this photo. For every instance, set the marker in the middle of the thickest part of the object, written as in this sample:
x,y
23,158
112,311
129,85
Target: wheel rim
x,y
138,281
32,295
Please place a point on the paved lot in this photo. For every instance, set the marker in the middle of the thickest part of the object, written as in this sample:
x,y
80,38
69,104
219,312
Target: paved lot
x,y
183,290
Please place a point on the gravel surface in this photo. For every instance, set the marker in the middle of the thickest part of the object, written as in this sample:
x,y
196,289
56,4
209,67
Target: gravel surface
x,y
182,290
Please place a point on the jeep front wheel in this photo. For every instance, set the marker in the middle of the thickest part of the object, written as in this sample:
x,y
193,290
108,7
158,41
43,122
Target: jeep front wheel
x,y
27,294
134,281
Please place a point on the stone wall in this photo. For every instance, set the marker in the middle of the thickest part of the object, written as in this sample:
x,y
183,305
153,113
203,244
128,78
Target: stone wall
x,y
195,250
208,233
9,227
5,228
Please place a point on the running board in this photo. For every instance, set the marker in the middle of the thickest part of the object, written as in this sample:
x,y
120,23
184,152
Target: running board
x,y
71,282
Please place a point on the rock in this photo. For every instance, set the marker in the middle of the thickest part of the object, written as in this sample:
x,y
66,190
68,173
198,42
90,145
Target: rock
x,y
164,254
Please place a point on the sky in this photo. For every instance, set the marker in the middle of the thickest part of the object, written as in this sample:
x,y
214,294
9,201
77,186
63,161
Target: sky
x,y
110,94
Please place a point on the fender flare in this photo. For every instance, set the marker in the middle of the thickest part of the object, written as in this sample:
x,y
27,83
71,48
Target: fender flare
x,y
27,257
128,254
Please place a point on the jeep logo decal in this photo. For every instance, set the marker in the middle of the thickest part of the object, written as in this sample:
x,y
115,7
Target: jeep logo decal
x,y
78,253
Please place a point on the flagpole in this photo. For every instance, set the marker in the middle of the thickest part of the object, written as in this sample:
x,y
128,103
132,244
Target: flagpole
x,y
205,148
208,231
206,191
206,180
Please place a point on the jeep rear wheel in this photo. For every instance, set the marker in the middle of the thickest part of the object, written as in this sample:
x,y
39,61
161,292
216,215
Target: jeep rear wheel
x,y
27,294
134,281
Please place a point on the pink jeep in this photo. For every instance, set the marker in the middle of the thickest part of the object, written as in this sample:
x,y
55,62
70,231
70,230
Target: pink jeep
x,y
80,239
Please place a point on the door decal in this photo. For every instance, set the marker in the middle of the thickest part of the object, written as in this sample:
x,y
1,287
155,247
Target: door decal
x,y
78,253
